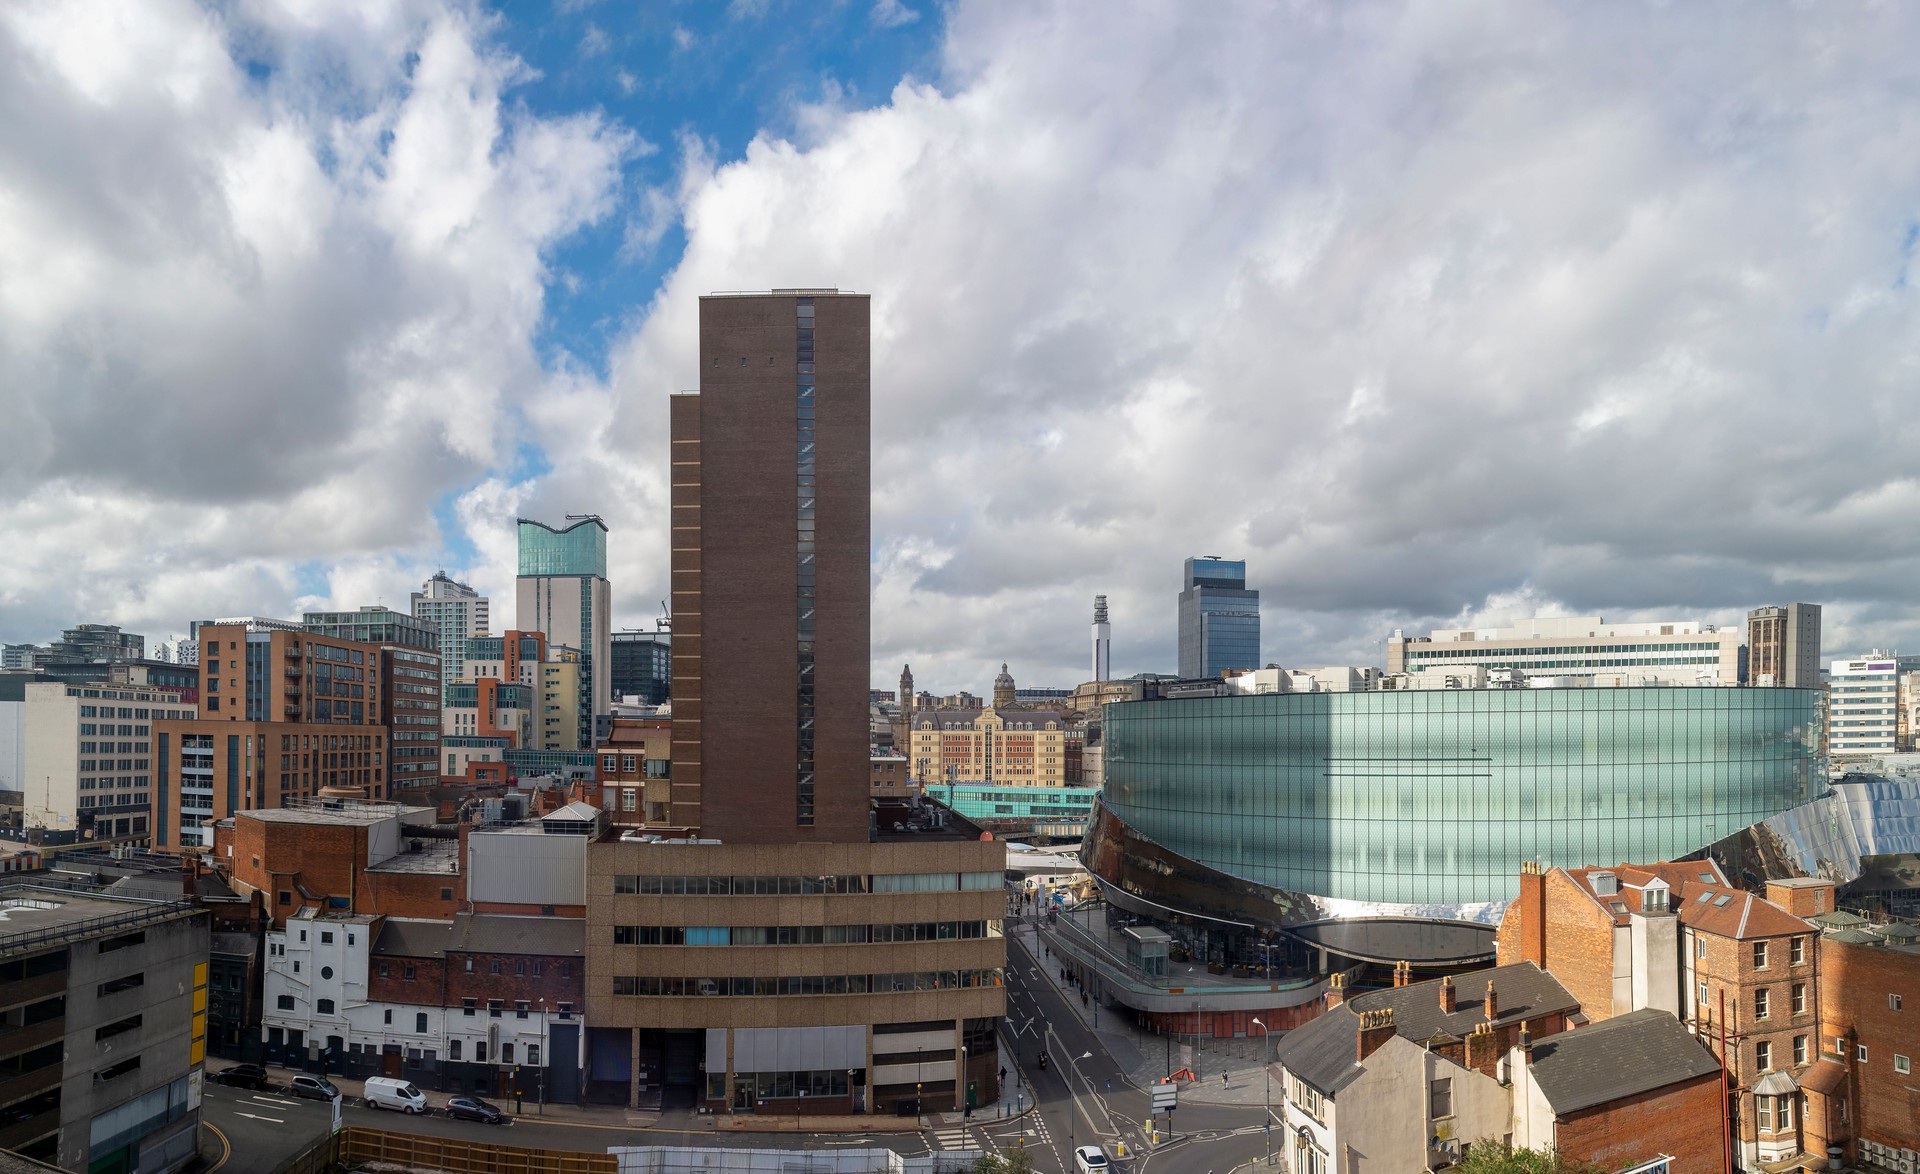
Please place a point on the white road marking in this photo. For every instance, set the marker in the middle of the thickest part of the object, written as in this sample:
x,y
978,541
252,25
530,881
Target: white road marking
x,y
257,1117
265,1100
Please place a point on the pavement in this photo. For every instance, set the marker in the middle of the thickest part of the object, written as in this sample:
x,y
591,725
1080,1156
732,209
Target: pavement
x,y
1146,1057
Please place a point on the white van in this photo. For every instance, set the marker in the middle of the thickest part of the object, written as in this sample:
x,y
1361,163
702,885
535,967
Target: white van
x,y
384,1092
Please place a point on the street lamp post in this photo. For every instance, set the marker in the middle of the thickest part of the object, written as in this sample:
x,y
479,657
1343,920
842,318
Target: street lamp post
x,y
1266,1098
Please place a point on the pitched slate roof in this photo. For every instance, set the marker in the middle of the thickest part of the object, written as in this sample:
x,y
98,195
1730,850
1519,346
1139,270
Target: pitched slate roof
x,y
1321,1054
1524,991
404,938
1633,880
500,933
1620,1057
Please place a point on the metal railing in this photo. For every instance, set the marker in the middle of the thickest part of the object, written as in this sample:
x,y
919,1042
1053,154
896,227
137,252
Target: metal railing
x,y
146,912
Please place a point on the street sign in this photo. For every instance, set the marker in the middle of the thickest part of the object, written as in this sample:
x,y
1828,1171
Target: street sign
x,y
1166,1097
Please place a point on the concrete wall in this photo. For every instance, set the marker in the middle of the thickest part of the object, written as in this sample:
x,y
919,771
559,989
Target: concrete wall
x,y
163,1041
1384,1124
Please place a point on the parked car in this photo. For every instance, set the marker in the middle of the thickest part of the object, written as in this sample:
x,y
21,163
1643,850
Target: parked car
x,y
241,1076
475,1109
384,1092
1090,1159
315,1088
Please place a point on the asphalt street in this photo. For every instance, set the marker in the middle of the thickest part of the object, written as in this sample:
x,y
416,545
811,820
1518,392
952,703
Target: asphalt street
x,y
1207,1138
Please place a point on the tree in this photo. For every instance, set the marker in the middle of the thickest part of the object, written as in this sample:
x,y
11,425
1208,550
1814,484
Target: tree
x,y
1490,1157
1014,1161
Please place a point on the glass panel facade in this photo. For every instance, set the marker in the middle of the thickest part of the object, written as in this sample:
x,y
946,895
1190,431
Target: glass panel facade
x,y
580,549
1436,797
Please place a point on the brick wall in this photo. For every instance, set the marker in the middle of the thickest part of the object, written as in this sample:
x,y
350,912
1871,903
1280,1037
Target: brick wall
x,y
559,979
1856,982
434,896
1682,1120
268,857
426,988
1727,964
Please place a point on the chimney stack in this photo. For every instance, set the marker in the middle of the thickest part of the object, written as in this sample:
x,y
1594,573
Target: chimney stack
x,y
1402,973
1376,1028
1446,995
1526,1045
1336,989
1482,1052
1532,914
1492,1002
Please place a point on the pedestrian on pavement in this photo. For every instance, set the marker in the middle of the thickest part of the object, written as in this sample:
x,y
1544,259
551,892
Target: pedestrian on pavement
x,y
1223,1080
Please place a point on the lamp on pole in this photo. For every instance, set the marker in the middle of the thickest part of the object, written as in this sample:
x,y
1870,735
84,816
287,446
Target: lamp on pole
x,y
1266,1098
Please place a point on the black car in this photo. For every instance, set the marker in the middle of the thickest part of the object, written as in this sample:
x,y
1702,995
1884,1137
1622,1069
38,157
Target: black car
x,y
474,1109
317,1088
241,1076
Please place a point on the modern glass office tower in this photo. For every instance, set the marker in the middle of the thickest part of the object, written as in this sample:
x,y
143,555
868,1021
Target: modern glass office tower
x,y
1280,810
1219,618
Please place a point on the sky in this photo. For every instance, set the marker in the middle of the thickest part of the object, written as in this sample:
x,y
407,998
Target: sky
x,y
1435,313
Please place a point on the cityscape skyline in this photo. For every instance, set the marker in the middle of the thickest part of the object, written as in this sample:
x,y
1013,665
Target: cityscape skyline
x,y
1527,345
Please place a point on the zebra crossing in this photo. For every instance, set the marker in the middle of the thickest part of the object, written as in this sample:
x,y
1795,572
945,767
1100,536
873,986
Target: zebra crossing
x,y
954,1137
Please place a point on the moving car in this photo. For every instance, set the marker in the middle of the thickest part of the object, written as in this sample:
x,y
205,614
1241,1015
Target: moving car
x,y
1090,1159
314,1088
241,1076
475,1109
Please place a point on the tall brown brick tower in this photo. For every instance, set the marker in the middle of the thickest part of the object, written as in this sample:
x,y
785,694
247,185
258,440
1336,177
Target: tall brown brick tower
x,y
770,546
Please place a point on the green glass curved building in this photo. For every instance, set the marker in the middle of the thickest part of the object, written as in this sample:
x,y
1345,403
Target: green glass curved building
x,y
1292,809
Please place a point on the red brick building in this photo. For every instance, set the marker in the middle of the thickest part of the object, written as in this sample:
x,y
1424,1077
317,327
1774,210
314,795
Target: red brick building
x,y
1619,1093
1869,1101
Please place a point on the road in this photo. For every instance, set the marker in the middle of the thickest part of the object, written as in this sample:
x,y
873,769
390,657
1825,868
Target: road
x,y
1207,1137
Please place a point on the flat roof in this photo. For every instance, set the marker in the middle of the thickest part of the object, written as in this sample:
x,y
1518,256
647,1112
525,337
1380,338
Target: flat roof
x,y
353,816
32,917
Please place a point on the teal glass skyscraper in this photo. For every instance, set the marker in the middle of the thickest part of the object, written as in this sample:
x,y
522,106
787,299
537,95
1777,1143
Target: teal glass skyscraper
x,y
562,593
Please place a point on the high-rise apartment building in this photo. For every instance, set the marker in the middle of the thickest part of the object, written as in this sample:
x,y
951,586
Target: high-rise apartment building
x,y
562,592
1219,618
410,686
1783,646
283,714
827,964
459,612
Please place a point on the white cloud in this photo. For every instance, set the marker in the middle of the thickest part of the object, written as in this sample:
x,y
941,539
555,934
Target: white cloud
x,y
249,325
1425,310
595,41
1429,311
891,14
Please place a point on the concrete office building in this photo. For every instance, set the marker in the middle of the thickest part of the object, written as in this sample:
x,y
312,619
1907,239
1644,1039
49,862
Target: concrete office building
x,y
105,1031
410,683
81,756
459,612
1863,705
1783,646
19,656
562,593
1581,650
1219,618
746,992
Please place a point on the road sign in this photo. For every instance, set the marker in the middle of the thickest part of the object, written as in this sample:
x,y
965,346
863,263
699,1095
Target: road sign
x,y
1166,1097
